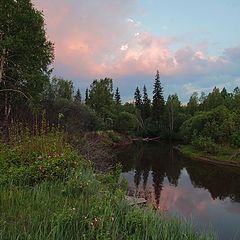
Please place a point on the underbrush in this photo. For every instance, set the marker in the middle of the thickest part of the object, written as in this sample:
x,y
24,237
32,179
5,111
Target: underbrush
x,y
32,160
56,195
205,144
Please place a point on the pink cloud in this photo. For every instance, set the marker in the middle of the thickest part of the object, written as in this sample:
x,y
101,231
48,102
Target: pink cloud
x,y
99,38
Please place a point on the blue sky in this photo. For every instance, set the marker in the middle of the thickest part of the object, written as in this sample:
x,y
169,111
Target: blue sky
x,y
211,21
194,44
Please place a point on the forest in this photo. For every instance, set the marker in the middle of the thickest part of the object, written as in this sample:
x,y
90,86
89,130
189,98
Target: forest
x,y
208,121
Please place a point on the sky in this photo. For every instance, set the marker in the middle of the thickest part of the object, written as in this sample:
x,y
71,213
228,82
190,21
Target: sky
x,y
195,45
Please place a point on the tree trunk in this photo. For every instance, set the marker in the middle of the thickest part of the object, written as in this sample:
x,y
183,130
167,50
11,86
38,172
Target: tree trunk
x,y
7,106
5,120
2,60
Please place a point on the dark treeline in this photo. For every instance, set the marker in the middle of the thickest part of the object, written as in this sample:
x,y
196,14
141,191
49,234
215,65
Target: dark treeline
x,y
206,119
28,94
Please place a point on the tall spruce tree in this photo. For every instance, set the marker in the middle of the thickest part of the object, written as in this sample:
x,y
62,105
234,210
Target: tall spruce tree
x,y
117,97
138,98
146,106
86,96
158,99
78,97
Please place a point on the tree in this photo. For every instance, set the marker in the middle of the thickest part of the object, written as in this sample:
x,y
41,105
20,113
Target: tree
x,y
78,97
101,96
224,93
213,100
126,122
236,98
173,106
192,105
117,97
25,54
158,99
62,88
138,98
146,105
86,96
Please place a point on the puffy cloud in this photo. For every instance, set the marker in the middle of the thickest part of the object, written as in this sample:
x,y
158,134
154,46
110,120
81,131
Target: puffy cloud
x,y
98,38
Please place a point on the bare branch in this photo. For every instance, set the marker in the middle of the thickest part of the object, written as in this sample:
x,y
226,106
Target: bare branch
x,y
17,91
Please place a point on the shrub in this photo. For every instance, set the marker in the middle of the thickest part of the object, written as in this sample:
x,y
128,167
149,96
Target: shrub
x,y
205,144
36,159
236,139
126,122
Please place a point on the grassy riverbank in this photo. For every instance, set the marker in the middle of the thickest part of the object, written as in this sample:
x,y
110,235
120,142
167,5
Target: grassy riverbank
x,y
225,156
49,191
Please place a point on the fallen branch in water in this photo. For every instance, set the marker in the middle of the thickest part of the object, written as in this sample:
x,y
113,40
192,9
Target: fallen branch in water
x,y
146,139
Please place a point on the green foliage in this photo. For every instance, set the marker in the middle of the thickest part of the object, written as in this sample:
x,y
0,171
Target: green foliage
x,y
146,106
24,50
86,96
35,159
236,139
75,117
192,105
218,124
213,100
101,97
158,99
61,89
205,144
79,205
78,97
25,56
126,122
172,112
117,97
138,98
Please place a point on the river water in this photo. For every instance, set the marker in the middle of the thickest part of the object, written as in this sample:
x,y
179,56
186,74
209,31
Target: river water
x,y
208,196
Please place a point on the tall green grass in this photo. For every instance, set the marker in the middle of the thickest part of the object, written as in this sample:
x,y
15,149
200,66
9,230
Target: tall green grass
x,y
73,204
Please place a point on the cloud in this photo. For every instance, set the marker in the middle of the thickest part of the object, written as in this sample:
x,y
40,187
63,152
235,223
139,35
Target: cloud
x,y
98,38
233,53
124,47
88,35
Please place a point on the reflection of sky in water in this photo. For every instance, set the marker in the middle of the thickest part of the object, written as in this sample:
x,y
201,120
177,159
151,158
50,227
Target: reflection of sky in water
x,y
192,203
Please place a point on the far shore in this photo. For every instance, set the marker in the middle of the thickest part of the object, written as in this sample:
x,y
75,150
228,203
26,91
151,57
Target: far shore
x,y
192,153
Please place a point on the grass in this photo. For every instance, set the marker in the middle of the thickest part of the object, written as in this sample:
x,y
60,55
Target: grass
x,y
225,153
71,202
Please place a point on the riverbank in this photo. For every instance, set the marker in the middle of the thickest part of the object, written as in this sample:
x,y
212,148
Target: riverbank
x,y
226,156
49,191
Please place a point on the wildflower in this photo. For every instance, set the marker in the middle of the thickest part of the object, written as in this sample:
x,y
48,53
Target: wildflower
x,y
74,209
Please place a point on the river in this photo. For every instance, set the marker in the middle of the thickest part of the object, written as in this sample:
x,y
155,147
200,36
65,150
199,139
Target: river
x,y
208,196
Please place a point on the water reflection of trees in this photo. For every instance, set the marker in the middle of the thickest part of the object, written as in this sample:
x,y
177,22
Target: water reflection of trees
x,y
160,161
157,160
220,182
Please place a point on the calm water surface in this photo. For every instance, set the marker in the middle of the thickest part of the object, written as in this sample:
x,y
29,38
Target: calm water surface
x,y
208,196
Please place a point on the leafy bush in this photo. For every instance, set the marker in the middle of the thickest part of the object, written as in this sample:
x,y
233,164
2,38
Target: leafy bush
x,y
205,144
236,139
126,122
218,124
36,159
